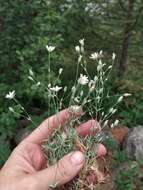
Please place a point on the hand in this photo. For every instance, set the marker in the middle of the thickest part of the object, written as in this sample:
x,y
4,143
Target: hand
x,y
26,167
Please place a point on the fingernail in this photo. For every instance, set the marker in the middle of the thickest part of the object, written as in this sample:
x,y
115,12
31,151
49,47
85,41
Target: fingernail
x,y
77,158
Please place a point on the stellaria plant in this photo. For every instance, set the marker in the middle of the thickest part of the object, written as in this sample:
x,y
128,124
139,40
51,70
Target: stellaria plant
x,y
86,97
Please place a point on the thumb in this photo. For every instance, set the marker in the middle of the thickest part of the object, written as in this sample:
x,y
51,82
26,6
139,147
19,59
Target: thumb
x,y
62,172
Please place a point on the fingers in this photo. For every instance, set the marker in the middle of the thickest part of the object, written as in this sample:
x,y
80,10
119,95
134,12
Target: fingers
x,y
100,150
47,126
90,127
62,172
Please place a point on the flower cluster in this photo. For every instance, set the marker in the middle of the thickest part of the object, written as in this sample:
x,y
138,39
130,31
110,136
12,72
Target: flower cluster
x,y
87,96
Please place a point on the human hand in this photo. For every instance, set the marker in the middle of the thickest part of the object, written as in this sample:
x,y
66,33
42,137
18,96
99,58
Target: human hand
x,y
26,167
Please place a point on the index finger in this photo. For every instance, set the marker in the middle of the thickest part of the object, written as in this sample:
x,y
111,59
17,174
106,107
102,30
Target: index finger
x,y
49,125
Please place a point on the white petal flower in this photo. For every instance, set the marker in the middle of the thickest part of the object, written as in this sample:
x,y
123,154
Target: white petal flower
x,y
11,109
112,125
76,99
10,95
95,78
49,85
77,49
83,80
65,88
50,48
91,85
116,122
105,123
79,58
94,56
127,94
30,78
73,89
81,41
113,56
91,82
120,99
60,71
101,52
31,72
38,83
56,88
100,65
110,67
112,110
81,93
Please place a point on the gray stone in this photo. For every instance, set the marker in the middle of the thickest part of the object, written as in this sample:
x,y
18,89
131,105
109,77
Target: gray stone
x,y
133,145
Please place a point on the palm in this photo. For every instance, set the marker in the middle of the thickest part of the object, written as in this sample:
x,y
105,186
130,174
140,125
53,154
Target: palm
x,y
32,157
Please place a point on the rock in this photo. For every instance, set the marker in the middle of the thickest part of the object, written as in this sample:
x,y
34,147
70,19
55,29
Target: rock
x,y
133,145
119,133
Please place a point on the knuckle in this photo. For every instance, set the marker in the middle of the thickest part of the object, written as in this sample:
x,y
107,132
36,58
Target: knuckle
x,y
63,171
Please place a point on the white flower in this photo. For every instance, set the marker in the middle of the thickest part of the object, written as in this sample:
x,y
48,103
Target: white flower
x,y
98,98
83,80
120,99
81,41
102,113
77,49
92,88
56,88
127,94
29,118
10,95
73,89
50,48
38,83
31,72
11,109
65,88
105,123
112,125
100,65
49,85
30,78
101,52
91,83
94,56
110,67
76,99
95,78
81,93
116,122
113,56
60,71
100,90
112,110
79,58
